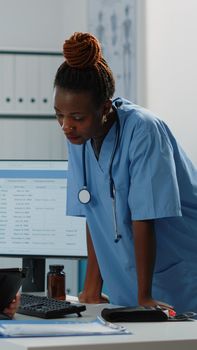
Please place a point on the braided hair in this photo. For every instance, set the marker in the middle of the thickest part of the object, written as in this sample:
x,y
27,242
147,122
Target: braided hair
x,y
85,69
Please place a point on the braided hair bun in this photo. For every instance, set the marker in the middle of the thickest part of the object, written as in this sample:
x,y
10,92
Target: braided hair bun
x,y
85,68
82,50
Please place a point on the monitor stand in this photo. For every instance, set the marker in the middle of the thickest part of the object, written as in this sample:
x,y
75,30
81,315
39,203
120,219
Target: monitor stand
x,y
35,279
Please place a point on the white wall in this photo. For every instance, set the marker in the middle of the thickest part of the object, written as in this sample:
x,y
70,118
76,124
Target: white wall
x,y
40,24
171,67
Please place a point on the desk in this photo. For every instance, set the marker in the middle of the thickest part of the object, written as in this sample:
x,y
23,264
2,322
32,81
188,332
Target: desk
x,y
146,336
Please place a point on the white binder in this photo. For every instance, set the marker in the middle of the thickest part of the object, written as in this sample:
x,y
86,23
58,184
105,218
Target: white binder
x,y
46,84
32,90
21,83
7,90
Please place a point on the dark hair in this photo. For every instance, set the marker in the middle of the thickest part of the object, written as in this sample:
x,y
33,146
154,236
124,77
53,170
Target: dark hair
x,y
85,69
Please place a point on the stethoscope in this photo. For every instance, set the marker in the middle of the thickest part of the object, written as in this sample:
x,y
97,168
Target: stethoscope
x,y
84,194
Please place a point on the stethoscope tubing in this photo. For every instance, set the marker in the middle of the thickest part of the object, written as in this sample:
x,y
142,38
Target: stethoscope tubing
x,y
111,181
84,194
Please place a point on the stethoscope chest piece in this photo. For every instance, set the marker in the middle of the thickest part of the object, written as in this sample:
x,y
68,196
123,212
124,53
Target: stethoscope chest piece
x,y
84,196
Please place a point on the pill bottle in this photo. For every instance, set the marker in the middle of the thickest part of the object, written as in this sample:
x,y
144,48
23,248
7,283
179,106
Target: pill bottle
x,y
56,282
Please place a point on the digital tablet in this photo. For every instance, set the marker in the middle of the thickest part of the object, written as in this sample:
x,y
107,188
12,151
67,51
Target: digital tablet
x,y
11,280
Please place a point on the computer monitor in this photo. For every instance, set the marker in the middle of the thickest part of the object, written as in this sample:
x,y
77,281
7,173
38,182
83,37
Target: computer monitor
x,y
33,221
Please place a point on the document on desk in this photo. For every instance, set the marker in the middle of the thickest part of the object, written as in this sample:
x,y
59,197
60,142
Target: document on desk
x,y
52,328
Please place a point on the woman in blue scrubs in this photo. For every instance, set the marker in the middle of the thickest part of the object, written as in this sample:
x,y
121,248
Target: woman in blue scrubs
x,y
133,182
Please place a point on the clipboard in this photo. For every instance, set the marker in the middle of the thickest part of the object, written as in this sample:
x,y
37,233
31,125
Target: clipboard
x,y
11,280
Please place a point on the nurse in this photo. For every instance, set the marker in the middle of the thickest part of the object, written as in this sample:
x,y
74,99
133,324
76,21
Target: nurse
x,y
132,181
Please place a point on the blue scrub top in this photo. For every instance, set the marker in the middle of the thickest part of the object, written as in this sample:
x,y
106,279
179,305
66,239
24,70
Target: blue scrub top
x,y
154,179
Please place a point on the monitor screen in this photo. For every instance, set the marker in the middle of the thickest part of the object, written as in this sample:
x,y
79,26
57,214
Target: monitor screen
x,y
33,221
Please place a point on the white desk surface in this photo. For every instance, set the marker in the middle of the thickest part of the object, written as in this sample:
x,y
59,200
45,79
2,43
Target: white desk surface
x,y
145,336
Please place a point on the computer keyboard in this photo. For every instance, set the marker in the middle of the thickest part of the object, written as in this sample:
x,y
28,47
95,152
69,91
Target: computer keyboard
x,y
41,306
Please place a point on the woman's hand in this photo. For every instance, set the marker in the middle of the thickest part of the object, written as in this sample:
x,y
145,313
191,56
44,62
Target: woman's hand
x,y
155,303
12,308
91,293
96,299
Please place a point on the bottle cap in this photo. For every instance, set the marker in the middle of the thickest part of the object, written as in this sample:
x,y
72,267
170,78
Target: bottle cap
x,y
56,267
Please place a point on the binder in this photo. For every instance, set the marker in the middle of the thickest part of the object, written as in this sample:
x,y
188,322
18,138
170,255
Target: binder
x,y
7,84
1,82
48,66
32,87
21,83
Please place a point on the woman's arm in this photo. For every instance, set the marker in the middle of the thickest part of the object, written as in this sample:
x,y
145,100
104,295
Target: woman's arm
x,y
93,281
145,254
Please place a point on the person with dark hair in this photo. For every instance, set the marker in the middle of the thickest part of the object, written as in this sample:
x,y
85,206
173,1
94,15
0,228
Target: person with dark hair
x,y
13,306
134,184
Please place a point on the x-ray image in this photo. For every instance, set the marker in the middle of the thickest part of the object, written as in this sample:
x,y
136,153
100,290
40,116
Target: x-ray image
x,y
114,24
